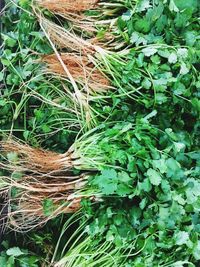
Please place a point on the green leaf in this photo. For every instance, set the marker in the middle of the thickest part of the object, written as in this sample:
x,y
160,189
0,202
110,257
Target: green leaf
x,y
174,170
160,164
2,102
134,37
179,264
181,238
145,185
182,53
138,38
142,25
48,206
10,41
190,38
154,177
46,128
26,134
127,16
123,190
135,214
184,69
172,58
165,186
124,177
5,62
11,262
16,175
180,89
109,236
12,157
196,251
15,251
186,4
156,59
178,147
24,3
172,6
107,181
3,261
146,83
179,199
143,5
149,51
109,188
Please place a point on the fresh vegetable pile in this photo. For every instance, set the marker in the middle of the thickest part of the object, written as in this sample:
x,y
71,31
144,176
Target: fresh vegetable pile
x,y
99,128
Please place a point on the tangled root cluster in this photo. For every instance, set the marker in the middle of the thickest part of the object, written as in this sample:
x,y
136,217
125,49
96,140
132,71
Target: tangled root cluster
x,y
41,184
68,5
81,69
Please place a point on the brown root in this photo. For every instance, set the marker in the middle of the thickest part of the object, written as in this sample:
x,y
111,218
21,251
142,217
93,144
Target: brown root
x,y
36,202
35,159
41,183
63,38
81,69
67,5
32,213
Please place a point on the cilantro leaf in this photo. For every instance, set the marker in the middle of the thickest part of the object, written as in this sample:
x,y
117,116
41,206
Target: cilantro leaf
x,y
15,251
154,177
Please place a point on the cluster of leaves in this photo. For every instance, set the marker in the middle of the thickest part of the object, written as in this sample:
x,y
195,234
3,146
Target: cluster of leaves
x,y
153,195
154,198
170,22
15,257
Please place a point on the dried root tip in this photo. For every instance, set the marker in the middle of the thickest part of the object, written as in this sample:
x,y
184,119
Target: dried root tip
x,y
34,159
81,69
68,5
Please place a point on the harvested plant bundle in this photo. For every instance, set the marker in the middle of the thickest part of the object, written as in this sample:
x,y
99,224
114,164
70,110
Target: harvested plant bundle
x,y
105,60
87,254
89,152
35,199
83,250
103,16
40,187
102,32
83,71
126,69
38,176
76,44
85,154
42,182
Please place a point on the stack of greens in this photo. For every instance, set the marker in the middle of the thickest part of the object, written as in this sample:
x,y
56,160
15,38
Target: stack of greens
x,y
99,122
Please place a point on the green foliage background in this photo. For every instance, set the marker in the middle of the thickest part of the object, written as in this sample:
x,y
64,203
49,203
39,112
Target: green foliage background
x,y
153,198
